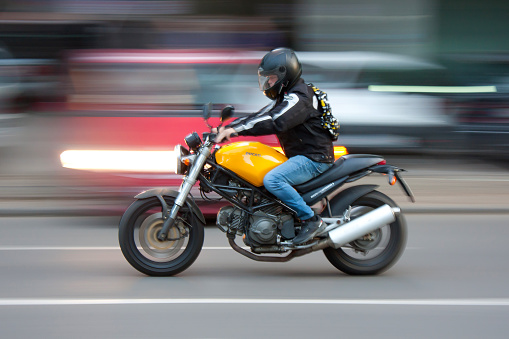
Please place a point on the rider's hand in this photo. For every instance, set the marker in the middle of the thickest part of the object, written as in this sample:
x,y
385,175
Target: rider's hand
x,y
216,130
224,134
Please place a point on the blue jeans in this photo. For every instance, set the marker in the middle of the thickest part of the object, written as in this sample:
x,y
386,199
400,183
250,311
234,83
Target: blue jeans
x,y
294,171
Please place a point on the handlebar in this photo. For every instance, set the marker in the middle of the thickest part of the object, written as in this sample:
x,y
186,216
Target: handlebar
x,y
212,136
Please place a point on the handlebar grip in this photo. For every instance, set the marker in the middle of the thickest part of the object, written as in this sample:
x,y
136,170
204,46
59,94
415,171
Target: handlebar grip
x,y
209,135
213,136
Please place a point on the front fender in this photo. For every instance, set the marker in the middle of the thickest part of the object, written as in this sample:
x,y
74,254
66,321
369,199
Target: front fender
x,y
167,192
345,198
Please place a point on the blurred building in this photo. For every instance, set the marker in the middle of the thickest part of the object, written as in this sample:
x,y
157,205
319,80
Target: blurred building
x,y
421,28
466,37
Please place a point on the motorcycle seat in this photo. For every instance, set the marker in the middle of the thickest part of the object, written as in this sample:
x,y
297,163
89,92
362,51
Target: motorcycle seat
x,y
343,167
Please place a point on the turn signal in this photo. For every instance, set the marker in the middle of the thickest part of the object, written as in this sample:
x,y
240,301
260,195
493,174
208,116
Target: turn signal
x,y
392,180
339,151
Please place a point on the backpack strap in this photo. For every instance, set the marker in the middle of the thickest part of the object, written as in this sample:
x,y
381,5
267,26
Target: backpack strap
x,y
329,122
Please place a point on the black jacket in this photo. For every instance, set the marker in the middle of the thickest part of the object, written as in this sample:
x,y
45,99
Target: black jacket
x,y
296,123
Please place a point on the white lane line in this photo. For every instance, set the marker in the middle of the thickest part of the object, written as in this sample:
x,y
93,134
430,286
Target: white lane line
x,y
464,179
78,248
103,248
369,302
56,248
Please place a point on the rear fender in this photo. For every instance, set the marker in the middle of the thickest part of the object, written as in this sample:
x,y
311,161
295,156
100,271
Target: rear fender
x,y
167,192
345,198
393,171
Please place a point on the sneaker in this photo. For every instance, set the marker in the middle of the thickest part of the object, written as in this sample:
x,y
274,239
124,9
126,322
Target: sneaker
x,y
309,229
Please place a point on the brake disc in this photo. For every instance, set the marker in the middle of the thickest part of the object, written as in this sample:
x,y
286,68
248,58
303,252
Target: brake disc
x,y
152,245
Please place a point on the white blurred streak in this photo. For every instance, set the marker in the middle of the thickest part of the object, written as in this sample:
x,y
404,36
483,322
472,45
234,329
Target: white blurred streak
x,y
433,89
125,161
365,60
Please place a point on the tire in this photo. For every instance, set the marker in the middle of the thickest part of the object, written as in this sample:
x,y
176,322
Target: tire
x,y
139,244
374,256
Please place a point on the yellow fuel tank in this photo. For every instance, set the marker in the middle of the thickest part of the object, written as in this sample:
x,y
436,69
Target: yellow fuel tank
x,y
250,160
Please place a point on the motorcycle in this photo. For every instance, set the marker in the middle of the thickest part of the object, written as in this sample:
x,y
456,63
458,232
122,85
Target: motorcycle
x,y
161,233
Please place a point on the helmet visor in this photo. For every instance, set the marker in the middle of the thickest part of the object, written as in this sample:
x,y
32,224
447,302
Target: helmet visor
x,y
267,80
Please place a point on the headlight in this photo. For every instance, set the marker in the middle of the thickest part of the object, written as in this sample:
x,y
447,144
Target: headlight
x,y
181,156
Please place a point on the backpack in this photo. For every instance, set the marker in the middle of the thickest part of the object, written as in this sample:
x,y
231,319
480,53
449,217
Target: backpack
x,y
329,122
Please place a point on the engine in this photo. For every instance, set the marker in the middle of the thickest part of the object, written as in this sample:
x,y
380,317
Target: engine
x,y
261,228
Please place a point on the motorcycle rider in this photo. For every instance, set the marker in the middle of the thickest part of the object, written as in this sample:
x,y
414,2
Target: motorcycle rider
x,y
294,118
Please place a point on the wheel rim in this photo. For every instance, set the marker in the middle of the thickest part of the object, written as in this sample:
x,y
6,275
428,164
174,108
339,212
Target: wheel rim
x,y
370,245
150,247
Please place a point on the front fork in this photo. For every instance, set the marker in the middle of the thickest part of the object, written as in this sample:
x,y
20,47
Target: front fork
x,y
185,189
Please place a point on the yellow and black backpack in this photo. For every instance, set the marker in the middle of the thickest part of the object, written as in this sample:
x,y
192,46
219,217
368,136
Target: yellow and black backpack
x,y
329,122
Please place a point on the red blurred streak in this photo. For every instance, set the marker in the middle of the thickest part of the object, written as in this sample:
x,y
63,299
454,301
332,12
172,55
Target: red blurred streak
x,y
165,56
140,133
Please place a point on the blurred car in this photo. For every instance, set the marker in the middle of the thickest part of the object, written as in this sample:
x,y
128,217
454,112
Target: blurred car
x,y
30,52
166,82
483,123
149,100
26,82
482,117
371,95
11,121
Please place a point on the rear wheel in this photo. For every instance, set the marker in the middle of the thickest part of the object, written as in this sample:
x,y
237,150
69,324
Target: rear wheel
x,y
375,252
138,241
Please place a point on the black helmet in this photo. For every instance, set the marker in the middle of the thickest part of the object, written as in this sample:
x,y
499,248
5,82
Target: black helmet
x,y
280,63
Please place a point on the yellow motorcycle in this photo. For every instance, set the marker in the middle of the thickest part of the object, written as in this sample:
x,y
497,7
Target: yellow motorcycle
x,y
162,231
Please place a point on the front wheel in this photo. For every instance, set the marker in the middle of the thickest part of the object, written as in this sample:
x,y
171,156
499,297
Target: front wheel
x,y
377,251
138,240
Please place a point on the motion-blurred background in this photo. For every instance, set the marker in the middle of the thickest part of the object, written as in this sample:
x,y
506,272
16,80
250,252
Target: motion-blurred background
x,y
407,77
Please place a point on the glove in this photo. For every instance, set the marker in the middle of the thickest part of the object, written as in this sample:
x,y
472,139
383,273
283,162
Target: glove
x,y
225,134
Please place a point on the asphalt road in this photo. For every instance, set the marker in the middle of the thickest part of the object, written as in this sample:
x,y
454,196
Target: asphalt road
x,y
65,277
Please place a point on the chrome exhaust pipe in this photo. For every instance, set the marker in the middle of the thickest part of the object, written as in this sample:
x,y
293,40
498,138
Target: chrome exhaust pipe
x,y
362,225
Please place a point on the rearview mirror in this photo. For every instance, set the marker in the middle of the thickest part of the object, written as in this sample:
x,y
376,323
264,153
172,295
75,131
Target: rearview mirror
x,y
207,110
227,113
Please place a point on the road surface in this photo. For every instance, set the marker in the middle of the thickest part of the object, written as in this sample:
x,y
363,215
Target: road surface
x,y
65,277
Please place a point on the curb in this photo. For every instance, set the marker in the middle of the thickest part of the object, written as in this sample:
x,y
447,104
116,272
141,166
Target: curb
x,y
456,210
117,211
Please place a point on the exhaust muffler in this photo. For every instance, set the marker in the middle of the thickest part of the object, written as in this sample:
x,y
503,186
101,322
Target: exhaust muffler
x,y
362,225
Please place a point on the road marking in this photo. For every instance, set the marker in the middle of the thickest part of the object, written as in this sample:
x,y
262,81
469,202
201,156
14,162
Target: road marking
x,y
369,302
464,179
79,248
56,248
104,248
